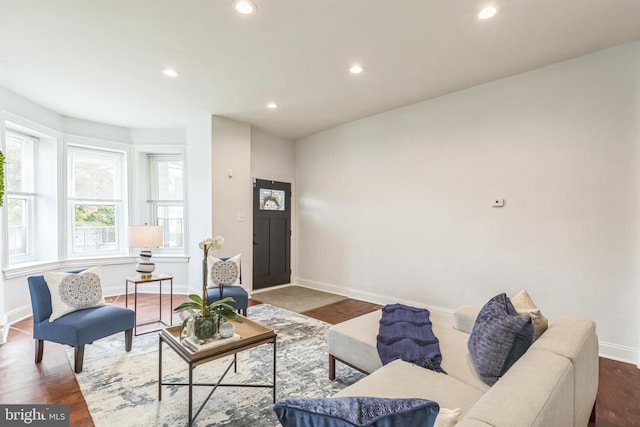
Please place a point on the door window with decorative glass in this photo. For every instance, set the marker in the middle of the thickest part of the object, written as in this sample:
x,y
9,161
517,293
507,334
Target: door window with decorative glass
x,y
272,200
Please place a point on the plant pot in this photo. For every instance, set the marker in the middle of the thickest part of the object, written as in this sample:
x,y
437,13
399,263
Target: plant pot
x,y
204,328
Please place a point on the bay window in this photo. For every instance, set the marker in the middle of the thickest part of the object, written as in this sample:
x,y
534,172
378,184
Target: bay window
x,y
67,197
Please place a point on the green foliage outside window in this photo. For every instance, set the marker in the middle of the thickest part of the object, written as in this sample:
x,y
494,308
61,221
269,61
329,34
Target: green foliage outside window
x,y
95,215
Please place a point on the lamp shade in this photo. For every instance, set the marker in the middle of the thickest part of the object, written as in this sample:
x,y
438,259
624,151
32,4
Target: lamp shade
x,y
145,236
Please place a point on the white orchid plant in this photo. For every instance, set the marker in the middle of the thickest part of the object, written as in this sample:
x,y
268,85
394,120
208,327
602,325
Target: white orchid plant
x,y
198,304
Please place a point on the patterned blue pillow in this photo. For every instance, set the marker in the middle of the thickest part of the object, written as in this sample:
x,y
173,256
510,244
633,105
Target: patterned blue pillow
x,y
498,339
356,411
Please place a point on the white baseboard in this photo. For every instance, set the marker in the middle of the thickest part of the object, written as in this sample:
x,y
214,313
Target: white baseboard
x,y
320,286
620,353
607,350
18,314
12,317
367,296
4,329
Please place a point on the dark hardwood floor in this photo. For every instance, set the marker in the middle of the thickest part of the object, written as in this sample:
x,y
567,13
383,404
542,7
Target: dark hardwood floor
x,y
53,381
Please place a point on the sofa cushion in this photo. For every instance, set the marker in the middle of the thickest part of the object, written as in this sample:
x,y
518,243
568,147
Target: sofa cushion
x,y
354,341
356,411
447,417
400,379
456,360
525,306
71,292
536,392
464,317
498,339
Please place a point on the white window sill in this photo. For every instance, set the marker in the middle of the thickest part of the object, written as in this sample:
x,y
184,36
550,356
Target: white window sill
x,y
31,268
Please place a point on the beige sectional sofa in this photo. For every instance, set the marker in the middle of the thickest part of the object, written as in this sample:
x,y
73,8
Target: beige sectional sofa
x,y
554,384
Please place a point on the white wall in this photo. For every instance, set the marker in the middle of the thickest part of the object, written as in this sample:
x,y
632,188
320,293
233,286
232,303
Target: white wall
x,y
199,193
231,191
78,127
397,207
172,136
27,109
272,157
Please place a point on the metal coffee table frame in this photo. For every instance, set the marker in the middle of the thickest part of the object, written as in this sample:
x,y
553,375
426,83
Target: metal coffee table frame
x,y
253,335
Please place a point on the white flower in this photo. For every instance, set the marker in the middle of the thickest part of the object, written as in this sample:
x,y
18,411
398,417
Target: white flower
x,y
217,242
209,244
204,243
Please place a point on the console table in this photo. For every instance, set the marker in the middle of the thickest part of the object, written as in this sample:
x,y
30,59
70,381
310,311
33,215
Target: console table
x,y
138,280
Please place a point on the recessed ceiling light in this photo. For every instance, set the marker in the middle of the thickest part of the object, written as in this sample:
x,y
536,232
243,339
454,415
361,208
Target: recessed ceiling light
x,y
272,105
356,69
487,12
245,7
170,72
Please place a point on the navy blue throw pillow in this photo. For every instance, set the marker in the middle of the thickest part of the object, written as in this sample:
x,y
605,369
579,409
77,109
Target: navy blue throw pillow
x,y
356,411
498,339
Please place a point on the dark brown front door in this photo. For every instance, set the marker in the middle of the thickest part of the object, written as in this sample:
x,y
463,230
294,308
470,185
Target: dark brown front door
x,y
271,233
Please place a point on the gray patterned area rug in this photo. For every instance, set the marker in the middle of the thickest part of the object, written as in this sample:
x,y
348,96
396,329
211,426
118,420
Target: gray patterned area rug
x,y
121,389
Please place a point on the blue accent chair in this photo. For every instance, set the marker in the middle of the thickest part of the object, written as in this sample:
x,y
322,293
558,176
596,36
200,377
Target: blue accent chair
x,y
236,292
78,328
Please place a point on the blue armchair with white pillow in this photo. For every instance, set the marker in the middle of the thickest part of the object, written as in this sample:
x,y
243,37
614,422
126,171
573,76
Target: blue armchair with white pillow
x,y
224,279
68,308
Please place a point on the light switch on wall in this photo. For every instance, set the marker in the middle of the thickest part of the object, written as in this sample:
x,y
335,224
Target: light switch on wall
x,y
497,203
241,217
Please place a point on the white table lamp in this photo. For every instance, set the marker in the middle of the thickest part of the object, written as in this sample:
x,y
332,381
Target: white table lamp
x,y
145,237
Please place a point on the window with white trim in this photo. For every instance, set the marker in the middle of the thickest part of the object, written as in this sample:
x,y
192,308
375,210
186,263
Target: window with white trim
x,y
96,181
20,190
166,201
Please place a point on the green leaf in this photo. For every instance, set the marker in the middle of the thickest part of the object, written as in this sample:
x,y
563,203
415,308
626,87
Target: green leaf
x,y
196,298
222,301
187,306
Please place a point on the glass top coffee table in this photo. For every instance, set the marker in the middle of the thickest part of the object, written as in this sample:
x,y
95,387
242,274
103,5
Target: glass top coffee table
x,y
251,334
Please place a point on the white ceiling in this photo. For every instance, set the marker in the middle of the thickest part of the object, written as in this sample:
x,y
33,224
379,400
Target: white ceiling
x,y
101,60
